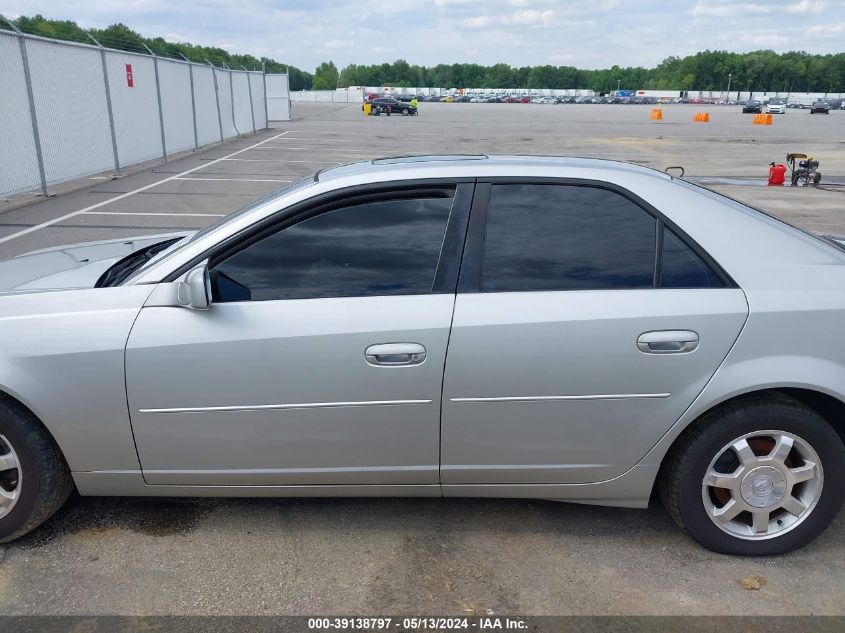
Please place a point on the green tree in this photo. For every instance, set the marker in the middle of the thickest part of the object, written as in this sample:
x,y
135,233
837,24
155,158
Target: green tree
x,y
325,77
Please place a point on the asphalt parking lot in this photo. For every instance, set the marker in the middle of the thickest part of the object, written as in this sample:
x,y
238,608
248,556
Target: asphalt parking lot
x,y
426,556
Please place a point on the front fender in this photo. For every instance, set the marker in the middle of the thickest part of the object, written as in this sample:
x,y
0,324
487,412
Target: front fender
x,y
62,356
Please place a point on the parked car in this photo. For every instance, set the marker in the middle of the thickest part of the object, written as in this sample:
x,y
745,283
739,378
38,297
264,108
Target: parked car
x,y
384,104
753,106
820,107
776,107
278,352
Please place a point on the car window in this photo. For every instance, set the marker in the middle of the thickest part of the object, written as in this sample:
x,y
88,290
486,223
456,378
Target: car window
x,y
388,247
682,268
566,237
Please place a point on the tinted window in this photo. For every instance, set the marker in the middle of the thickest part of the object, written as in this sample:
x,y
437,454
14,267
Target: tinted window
x,y
377,248
682,268
553,237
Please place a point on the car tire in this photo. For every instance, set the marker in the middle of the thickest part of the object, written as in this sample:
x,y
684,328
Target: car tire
x,y
702,510
41,480
404,111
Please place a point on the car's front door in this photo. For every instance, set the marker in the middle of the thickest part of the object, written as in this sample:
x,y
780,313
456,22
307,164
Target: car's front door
x,y
320,359
580,336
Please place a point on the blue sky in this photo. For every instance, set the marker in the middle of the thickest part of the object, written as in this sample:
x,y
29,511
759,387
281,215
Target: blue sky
x,y
591,34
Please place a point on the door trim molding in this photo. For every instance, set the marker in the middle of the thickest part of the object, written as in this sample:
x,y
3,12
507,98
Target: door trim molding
x,y
298,405
598,396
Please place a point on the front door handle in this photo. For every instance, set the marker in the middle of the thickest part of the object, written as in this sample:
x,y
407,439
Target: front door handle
x,y
395,354
668,342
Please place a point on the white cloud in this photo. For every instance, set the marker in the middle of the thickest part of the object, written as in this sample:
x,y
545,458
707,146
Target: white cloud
x,y
476,22
728,8
528,17
721,9
808,6
827,30
334,45
768,40
524,17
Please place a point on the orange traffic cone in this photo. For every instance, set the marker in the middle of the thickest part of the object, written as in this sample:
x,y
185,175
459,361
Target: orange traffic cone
x,y
656,114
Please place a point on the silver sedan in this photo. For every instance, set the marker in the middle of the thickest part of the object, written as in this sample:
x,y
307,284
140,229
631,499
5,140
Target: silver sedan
x,y
570,329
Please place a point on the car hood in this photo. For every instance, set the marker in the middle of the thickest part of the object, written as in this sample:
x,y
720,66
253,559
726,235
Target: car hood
x,y
71,266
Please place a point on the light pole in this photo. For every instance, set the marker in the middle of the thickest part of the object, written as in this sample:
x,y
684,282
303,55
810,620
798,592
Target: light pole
x,y
728,91
618,84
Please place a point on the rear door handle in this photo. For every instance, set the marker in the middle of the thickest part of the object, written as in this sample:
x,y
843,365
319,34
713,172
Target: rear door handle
x,y
668,342
395,354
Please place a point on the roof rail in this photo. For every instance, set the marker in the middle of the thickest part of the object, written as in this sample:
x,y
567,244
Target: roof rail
x,y
424,158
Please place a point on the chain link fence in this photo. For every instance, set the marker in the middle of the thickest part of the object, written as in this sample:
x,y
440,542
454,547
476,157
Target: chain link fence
x,y
71,110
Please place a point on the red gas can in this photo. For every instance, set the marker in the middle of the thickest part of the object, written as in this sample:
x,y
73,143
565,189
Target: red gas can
x,y
777,174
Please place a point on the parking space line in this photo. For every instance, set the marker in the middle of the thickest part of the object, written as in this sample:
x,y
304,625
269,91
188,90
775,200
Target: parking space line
x,y
236,179
133,191
273,148
175,215
279,160
359,133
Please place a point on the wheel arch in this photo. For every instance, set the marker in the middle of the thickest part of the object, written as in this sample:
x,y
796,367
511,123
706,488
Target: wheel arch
x,y
829,407
13,399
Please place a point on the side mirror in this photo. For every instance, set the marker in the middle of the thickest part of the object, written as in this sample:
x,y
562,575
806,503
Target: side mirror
x,y
195,291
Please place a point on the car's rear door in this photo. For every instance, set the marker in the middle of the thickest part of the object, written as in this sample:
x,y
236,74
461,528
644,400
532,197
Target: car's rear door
x,y
585,324
320,359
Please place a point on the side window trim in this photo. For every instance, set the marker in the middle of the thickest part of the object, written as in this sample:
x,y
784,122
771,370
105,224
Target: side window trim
x,y
454,241
658,253
470,279
301,210
470,275
447,267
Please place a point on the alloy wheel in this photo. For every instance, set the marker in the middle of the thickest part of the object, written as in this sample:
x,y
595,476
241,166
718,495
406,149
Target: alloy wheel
x,y
10,477
762,484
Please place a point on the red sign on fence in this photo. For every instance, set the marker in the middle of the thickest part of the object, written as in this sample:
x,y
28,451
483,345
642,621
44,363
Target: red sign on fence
x,y
129,81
